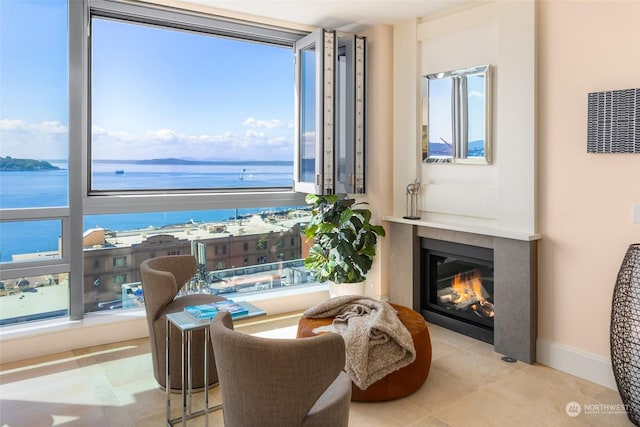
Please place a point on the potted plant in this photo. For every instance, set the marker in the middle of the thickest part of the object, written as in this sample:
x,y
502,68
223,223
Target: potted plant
x,y
344,242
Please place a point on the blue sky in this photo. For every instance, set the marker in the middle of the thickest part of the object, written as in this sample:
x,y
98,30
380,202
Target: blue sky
x,y
156,93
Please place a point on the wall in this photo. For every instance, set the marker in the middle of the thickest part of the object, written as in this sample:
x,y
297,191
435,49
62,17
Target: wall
x,y
585,199
545,181
501,34
379,147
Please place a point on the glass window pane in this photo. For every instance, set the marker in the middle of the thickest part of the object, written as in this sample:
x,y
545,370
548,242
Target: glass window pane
x,y
238,250
33,298
308,115
22,241
34,98
210,112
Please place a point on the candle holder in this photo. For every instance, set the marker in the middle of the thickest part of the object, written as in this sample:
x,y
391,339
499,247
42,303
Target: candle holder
x,y
413,189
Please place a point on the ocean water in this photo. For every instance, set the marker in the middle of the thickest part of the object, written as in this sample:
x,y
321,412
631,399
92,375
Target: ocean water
x,y
24,189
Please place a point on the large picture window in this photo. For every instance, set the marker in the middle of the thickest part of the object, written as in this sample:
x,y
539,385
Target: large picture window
x,y
180,109
34,147
129,132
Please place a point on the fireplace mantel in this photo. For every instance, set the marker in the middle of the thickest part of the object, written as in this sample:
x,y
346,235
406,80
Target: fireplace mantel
x,y
465,228
515,278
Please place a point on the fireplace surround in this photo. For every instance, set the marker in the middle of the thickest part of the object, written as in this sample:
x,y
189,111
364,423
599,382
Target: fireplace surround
x,y
515,277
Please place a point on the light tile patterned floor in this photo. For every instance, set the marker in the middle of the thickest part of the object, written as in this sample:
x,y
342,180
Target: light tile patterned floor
x,y
468,386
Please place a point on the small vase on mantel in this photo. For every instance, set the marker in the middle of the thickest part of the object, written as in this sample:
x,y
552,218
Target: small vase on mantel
x,y
340,289
625,333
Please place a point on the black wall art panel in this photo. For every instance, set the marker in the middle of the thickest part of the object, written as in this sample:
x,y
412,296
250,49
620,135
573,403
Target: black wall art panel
x,y
614,122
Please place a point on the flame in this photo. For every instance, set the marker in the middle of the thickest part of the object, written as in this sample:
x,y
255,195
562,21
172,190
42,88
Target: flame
x,y
467,287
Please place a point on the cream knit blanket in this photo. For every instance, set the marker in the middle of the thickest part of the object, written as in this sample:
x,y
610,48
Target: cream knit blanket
x,y
376,342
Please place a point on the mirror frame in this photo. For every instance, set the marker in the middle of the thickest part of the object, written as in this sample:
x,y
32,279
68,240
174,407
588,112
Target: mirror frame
x,y
459,116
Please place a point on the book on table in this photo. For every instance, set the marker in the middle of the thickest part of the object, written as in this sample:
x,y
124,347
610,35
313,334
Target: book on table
x,y
209,310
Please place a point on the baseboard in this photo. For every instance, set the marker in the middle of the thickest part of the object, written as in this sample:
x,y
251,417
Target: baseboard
x,y
576,362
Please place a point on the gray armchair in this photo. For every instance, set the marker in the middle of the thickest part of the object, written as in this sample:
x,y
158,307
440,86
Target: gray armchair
x,y
162,278
280,382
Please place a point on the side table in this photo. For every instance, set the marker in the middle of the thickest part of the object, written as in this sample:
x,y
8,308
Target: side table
x,y
186,324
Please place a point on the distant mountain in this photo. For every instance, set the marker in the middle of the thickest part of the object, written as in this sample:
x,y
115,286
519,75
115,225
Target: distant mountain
x,y
174,161
11,164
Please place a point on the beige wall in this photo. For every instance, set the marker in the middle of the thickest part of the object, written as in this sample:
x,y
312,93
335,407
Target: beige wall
x,y
585,199
379,146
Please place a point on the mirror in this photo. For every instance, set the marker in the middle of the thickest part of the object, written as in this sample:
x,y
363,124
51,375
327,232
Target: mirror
x,y
456,116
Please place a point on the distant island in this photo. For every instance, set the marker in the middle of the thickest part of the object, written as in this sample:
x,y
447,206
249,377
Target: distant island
x,y
174,161
11,164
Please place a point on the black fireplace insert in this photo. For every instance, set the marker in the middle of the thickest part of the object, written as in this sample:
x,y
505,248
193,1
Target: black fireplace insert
x,y
457,289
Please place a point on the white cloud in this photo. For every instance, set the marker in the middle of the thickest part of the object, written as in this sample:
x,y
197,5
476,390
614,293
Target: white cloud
x,y
49,140
254,134
46,140
269,124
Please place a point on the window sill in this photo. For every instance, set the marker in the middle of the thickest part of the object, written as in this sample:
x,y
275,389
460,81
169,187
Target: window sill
x,y
51,336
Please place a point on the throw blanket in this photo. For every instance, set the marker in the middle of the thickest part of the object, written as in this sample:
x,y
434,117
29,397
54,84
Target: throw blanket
x,y
376,342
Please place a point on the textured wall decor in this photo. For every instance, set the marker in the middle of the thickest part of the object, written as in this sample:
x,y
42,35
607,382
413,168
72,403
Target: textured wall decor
x,y
614,122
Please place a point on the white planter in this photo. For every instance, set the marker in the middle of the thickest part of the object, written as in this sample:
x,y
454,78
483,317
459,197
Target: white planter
x,y
339,289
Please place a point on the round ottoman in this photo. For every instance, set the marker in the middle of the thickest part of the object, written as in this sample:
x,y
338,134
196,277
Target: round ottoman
x,y
399,383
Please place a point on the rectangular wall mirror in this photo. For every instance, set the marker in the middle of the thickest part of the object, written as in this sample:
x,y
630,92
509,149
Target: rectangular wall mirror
x,y
456,116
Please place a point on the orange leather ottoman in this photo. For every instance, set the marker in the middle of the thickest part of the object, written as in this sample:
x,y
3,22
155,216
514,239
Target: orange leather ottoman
x,y
399,383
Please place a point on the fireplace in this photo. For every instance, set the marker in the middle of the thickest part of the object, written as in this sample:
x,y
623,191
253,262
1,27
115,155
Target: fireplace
x,y
457,287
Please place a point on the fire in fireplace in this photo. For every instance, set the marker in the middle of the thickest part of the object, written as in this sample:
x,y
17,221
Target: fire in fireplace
x,y
457,287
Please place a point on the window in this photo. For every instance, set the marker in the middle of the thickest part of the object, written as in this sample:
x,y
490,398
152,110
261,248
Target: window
x,y
214,130
213,112
34,246
330,99
261,244
120,261
119,279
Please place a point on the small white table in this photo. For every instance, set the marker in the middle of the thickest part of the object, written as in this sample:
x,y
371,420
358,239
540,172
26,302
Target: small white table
x,y
186,324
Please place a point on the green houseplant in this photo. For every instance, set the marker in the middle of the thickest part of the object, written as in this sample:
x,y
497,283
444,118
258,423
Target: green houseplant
x,y
344,240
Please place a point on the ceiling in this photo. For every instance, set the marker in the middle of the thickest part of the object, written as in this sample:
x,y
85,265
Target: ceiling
x,y
344,15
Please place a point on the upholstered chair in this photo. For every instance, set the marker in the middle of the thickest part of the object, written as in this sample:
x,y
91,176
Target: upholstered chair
x,y
280,382
162,278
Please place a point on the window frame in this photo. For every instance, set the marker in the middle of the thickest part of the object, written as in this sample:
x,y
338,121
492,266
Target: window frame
x,y
81,201
104,202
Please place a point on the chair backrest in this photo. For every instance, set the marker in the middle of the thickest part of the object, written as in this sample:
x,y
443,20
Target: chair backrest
x,y
272,382
162,277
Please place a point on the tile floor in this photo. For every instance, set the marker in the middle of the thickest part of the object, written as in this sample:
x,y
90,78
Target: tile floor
x,y
468,385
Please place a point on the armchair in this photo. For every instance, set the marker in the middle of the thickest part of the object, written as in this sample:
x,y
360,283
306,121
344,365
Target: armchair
x,y
280,382
162,277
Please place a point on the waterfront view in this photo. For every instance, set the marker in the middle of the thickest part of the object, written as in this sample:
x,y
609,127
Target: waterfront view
x,y
170,110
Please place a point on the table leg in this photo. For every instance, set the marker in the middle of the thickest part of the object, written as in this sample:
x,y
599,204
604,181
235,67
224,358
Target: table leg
x,y
184,396
168,373
189,372
206,377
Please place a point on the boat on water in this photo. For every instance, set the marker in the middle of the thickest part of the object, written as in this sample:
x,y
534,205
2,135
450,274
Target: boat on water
x,y
119,172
